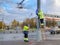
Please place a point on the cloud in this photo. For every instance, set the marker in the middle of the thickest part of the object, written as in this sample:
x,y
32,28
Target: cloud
x,y
57,3
52,7
11,11
3,11
43,1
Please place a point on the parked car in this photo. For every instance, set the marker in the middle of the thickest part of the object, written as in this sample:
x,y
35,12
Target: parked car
x,y
55,30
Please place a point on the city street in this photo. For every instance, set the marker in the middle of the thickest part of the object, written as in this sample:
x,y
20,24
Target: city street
x,y
17,42
17,39
35,21
32,35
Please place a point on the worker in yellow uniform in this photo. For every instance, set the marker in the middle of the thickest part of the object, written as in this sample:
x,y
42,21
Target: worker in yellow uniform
x,y
41,17
25,31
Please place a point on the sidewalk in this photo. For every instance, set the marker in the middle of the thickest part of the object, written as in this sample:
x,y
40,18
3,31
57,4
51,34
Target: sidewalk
x,y
47,42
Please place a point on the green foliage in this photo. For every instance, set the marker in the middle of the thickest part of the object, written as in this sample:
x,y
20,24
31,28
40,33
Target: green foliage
x,y
50,23
1,30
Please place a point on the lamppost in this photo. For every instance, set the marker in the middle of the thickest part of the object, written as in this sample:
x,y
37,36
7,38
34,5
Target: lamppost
x,y
39,35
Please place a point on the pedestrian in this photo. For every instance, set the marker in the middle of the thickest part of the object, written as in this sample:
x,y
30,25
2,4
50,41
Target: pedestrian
x,y
25,31
41,17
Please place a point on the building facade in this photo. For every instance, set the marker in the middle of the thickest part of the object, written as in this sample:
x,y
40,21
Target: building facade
x,y
52,17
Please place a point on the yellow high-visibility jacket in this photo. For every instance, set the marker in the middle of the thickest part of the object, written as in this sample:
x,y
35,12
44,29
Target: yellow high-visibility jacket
x,y
40,14
25,28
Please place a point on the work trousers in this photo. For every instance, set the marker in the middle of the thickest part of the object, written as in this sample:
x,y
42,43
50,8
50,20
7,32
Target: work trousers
x,y
25,34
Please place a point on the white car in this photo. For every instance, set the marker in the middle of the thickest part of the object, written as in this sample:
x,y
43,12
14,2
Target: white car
x,y
55,30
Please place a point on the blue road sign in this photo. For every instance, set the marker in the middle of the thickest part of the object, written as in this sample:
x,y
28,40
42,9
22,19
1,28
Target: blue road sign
x,y
37,12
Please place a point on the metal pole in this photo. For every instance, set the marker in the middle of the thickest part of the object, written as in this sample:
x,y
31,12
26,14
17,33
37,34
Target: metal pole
x,y
38,5
38,8
39,36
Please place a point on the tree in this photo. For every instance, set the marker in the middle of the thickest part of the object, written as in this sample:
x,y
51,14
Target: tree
x,y
2,25
31,22
15,23
50,23
54,23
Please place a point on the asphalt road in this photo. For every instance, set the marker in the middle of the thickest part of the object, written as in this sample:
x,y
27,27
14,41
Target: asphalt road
x,y
32,35
17,42
17,39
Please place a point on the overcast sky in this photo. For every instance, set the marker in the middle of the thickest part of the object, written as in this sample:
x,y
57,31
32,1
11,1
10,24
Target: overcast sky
x,y
10,10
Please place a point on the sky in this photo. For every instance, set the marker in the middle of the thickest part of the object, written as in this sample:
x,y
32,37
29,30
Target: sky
x,y
53,7
9,10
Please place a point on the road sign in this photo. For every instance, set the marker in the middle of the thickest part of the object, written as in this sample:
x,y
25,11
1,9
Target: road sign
x,y
36,11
